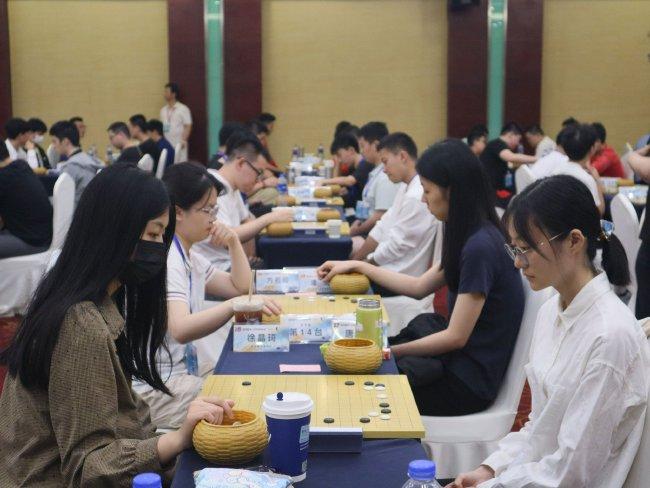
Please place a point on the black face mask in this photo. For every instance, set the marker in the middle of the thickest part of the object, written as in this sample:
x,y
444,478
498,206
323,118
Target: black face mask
x,y
147,262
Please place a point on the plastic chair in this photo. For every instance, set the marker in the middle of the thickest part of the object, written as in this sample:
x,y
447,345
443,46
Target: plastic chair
x,y
180,154
463,442
523,177
640,470
20,276
626,228
146,163
162,160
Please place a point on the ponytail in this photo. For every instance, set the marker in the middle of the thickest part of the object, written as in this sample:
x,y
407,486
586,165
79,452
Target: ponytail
x,y
615,262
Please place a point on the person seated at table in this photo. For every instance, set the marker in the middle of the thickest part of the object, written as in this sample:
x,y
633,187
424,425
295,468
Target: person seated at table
x,y
604,159
155,131
477,139
456,368
194,192
239,175
69,414
546,165
589,362
139,131
25,209
379,192
640,163
348,159
265,192
498,155
38,129
18,135
578,144
80,125
80,166
130,151
268,119
402,240
227,129
540,142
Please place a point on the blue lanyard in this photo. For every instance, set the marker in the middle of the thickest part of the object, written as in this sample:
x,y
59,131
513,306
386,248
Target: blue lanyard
x,y
177,243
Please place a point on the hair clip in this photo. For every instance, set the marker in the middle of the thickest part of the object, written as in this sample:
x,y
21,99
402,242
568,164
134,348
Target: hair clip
x,y
606,230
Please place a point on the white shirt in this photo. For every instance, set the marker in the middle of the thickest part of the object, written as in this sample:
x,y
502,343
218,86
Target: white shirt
x,y
574,169
589,378
546,165
405,232
174,120
545,146
379,191
20,153
232,212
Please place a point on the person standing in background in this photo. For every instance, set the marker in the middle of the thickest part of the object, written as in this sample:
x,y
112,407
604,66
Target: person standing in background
x,y
176,119
80,125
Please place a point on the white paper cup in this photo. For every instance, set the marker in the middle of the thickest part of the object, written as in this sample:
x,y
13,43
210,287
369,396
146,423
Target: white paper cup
x,y
334,228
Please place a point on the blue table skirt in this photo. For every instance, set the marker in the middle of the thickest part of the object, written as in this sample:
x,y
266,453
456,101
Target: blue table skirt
x,y
279,252
382,462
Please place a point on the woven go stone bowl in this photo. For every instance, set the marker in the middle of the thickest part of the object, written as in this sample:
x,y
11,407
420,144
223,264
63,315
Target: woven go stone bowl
x,y
353,356
230,444
336,189
350,284
322,192
279,229
326,214
285,201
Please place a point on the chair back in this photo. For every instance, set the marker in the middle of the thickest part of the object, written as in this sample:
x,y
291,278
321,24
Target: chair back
x,y
523,177
63,203
513,382
146,163
627,228
162,161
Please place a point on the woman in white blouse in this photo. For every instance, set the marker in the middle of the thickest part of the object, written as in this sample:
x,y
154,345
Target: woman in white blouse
x,y
589,362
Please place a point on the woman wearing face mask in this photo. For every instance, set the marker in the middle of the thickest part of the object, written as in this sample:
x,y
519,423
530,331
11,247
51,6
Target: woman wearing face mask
x,y
194,192
456,368
69,415
38,128
589,361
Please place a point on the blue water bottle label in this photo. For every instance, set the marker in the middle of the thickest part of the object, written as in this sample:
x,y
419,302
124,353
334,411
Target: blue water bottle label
x,y
508,180
191,359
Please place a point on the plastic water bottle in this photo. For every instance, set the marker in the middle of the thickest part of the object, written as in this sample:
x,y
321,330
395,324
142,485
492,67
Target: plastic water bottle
x,y
295,153
92,152
147,480
109,155
422,474
320,152
282,185
508,180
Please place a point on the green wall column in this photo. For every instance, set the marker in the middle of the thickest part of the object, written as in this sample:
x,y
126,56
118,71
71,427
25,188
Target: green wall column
x,y
214,69
497,20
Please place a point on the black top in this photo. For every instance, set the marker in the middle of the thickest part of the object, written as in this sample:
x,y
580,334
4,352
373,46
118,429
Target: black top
x,y
645,230
133,154
24,205
486,268
496,167
360,174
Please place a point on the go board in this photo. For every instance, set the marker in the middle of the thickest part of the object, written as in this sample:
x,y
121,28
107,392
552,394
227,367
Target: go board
x,y
315,226
320,304
339,400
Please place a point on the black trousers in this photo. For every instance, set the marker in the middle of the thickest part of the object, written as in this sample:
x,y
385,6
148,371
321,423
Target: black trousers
x,y
437,391
643,280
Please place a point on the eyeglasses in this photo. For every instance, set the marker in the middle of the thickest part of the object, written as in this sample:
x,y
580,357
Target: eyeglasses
x,y
515,251
211,211
258,171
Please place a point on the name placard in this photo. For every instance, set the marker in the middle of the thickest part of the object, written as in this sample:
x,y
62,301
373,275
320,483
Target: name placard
x,y
260,338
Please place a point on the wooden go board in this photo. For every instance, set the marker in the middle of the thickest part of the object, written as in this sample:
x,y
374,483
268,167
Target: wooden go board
x,y
336,404
322,226
320,304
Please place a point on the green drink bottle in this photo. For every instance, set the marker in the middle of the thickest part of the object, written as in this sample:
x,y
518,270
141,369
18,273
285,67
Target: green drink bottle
x,y
369,320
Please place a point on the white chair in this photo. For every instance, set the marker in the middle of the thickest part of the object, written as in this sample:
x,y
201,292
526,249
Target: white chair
x,y
640,470
162,160
20,276
523,177
180,153
626,228
146,163
463,442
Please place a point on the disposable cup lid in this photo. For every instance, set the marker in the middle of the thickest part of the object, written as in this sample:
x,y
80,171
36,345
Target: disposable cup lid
x,y
290,404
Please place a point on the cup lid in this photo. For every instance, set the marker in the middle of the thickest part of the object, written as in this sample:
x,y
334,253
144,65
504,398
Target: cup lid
x,y
288,403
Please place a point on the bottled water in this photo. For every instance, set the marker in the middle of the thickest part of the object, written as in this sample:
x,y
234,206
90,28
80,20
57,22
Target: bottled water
x,y
147,480
320,152
422,474
109,155
282,185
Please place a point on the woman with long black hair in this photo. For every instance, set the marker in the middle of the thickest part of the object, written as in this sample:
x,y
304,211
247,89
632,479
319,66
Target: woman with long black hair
x,y
456,368
69,415
589,360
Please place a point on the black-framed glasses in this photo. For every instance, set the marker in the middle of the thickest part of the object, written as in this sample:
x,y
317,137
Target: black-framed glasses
x,y
517,252
258,171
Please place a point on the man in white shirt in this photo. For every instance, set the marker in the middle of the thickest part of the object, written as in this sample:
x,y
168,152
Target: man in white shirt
x,y
546,165
176,119
19,138
578,144
539,141
242,169
379,192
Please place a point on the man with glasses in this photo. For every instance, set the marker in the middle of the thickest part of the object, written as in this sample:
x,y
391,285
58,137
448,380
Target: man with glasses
x,y
241,171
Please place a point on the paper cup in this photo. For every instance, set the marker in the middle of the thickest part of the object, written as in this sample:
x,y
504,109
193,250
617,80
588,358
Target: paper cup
x,y
287,419
334,228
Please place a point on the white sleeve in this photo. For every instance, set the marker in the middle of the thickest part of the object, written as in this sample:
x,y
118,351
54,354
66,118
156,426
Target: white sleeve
x,y
602,411
186,115
242,209
385,191
404,233
32,159
177,282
